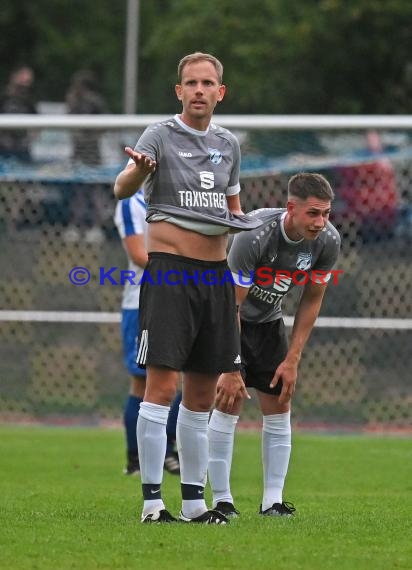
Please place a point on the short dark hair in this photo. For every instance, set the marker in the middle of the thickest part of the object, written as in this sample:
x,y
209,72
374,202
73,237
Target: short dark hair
x,y
199,56
310,184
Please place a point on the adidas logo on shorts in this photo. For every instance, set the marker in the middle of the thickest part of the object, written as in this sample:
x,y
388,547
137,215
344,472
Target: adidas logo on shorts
x,y
237,360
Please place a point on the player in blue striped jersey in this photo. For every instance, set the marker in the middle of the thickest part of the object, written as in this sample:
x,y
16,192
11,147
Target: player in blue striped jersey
x,y
130,222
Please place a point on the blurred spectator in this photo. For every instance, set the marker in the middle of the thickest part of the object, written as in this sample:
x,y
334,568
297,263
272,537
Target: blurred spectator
x,y
83,98
17,97
91,207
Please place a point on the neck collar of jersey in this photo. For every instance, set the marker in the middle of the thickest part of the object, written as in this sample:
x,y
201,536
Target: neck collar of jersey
x,y
282,229
190,129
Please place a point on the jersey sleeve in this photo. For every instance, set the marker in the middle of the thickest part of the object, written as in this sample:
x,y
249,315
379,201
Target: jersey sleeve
x,y
234,185
138,215
129,217
327,258
150,142
243,257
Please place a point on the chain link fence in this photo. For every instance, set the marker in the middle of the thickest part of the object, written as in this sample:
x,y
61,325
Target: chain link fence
x,y
60,350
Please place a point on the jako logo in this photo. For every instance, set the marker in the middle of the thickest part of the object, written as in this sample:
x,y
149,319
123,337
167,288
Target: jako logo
x,y
185,154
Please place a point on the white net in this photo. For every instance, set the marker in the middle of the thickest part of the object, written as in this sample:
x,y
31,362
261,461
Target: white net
x,y
60,351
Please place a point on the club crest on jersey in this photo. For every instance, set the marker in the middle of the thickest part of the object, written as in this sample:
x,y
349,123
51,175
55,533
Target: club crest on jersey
x,y
304,261
215,155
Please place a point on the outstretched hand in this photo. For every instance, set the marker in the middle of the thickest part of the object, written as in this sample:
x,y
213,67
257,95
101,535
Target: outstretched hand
x,y
230,388
145,163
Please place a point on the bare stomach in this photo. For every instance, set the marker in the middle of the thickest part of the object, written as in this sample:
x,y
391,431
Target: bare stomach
x,y
169,238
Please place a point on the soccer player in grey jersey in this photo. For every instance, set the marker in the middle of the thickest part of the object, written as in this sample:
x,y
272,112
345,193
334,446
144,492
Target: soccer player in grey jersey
x,y
294,246
190,170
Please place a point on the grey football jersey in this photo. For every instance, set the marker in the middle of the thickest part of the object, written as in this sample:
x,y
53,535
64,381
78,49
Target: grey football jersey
x,y
271,264
195,172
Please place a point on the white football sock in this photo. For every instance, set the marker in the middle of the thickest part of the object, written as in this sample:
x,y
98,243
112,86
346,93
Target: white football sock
x,y
276,447
193,449
151,443
221,433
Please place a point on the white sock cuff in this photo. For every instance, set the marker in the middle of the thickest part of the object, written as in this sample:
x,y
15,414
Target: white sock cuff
x,y
154,412
198,420
225,423
277,424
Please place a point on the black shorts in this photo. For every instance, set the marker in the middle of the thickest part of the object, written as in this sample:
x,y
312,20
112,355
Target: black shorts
x,y
264,346
188,315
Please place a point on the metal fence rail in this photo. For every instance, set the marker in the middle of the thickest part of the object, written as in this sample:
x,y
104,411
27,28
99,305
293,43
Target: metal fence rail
x,y
60,353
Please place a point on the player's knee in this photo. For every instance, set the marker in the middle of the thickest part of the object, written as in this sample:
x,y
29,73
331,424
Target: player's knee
x,y
234,409
282,407
161,386
198,404
138,386
161,393
270,404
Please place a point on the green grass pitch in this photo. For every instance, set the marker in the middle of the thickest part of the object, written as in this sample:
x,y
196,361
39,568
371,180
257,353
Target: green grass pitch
x,y
64,504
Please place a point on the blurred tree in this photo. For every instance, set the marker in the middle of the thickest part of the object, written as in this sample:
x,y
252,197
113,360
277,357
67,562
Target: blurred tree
x,y
306,56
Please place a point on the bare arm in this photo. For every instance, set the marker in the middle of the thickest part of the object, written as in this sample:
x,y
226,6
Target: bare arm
x,y
132,177
240,294
233,204
136,249
231,389
306,315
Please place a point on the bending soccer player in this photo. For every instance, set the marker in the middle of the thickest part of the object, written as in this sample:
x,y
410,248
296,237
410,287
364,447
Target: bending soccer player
x,y
130,221
191,172
296,245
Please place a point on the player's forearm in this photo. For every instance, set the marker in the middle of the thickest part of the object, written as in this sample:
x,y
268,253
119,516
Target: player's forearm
x,y
240,296
233,204
140,260
136,249
305,318
128,182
